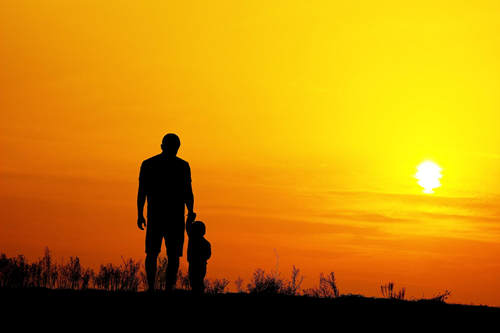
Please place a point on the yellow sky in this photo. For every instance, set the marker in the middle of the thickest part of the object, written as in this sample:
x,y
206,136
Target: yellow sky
x,y
303,123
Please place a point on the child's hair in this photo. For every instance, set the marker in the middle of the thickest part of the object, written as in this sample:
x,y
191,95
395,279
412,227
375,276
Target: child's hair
x,y
198,228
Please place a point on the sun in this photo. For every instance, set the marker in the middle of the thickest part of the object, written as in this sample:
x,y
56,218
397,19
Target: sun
x,y
428,175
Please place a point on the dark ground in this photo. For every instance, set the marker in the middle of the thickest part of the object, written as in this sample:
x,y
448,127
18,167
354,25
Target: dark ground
x,y
97,308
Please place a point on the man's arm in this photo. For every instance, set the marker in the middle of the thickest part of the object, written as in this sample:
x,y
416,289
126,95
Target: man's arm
x,y
189,201
189,222
189,197
141,200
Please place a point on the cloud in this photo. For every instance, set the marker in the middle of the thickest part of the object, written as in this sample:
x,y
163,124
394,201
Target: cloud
x,y
362,216
261,224
490,203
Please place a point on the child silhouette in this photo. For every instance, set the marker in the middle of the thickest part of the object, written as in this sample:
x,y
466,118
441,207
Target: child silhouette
x,y
198,252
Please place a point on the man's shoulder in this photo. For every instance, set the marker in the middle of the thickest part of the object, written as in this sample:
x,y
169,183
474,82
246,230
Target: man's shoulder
x,y
152,160
160,158
181,161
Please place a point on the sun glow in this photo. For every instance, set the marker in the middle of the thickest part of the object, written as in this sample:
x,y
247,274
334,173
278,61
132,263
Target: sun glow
x,y
428,175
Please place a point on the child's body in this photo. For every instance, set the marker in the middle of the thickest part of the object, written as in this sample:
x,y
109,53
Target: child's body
x,y
198,252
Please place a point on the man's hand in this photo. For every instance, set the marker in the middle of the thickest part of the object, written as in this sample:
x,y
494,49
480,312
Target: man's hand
x,y
190,217
141,222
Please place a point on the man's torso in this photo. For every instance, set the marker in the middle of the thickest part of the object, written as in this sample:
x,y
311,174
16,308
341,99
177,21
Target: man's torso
x,y
167,182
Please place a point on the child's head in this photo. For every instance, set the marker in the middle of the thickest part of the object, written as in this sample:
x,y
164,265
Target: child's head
x,y
198,229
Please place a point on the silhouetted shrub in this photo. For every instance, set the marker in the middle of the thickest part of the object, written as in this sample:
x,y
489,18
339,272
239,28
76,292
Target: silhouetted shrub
x,y
264,284
87,278
327,287
107,278
388,291
216,286
183,280
17,273
292,287
130,280
271,284
441,298
14,272
70,274
49,271
161,274
125,277
239,284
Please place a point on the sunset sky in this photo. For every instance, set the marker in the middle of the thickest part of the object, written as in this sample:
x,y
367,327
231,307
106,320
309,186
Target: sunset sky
x,y
303,123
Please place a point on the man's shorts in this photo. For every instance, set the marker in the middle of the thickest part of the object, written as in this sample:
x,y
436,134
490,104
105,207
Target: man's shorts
x,y
174,239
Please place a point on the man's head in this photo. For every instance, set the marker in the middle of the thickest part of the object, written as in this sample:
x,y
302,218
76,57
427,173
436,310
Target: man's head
x,y
170,144
198,229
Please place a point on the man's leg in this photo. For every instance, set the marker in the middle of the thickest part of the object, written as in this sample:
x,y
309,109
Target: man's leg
x,y
151,260
153,247
174,242
171,273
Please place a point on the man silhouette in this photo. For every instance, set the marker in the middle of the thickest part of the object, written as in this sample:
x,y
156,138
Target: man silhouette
x,y
165,180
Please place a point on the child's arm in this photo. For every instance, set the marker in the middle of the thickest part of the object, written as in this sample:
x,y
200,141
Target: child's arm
x,y
209,251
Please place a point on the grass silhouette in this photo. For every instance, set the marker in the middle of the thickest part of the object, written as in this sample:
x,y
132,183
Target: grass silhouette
x,y
124,283
17,272
389,292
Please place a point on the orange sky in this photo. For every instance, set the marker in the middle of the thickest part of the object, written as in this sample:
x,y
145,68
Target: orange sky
x,y
303,124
